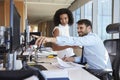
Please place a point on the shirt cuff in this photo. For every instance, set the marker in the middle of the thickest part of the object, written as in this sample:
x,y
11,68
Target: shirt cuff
x,y
60,41
77,59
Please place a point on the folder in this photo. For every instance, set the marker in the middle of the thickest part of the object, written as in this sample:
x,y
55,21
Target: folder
x,y
56,74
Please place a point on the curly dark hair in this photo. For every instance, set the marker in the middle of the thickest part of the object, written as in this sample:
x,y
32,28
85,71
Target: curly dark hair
x,y
60,12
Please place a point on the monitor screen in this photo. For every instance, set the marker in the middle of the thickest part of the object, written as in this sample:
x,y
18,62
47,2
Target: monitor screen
x,y
15,28
32,40
35,33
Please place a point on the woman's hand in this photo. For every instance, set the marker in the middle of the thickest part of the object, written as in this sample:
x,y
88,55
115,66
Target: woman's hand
x,y
74,47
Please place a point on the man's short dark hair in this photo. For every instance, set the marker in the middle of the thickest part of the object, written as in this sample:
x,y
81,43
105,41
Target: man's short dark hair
x,y
60,12
85,21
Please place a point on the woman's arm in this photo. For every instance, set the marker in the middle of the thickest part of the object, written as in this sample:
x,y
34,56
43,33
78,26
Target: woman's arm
x,y
56,47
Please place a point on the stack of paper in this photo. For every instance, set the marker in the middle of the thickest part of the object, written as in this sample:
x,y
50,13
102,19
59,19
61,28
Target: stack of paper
x,y
56,74
64,64
46,53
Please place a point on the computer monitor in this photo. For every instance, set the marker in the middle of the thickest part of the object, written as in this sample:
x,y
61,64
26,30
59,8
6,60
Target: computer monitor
x,y
15,28
32,40
35,33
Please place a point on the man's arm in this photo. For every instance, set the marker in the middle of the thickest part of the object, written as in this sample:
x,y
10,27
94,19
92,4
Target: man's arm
x,y
69,41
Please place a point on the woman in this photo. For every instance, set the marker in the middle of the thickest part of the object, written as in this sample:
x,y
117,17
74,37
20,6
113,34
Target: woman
x,y
63,18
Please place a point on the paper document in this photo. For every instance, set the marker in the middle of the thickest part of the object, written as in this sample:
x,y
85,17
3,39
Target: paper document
x,y
32,78
64,64
55,73
26,53
46,53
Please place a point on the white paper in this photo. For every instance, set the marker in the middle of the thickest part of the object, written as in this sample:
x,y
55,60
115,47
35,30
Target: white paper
x,y
64,64
46,53
26,53
55,73
32,78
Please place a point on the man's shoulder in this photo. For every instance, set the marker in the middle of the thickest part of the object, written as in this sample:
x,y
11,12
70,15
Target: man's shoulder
x,y
93,34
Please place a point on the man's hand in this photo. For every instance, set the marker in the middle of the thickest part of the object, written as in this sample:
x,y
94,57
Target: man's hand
x,y
68,59
35,36
41,40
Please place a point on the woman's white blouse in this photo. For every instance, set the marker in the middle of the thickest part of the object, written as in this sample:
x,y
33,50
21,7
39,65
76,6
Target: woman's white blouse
x,y
64,31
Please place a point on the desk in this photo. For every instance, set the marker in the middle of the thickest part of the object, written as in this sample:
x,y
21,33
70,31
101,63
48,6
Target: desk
x,y
74,73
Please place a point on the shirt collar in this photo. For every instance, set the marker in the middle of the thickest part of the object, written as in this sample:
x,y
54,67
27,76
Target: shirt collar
x,y
90,33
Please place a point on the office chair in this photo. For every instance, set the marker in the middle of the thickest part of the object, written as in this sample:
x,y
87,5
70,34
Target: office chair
x,y
113,48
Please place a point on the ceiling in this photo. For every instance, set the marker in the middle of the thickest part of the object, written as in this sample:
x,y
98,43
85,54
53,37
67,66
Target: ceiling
x,y
43,10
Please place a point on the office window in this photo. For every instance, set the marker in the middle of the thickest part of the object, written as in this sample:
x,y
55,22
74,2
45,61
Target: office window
x,y
104,17
77,17
73,29
116,16
88,10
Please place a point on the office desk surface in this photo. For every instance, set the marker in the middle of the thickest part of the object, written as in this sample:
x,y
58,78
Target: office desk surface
x,y
74,73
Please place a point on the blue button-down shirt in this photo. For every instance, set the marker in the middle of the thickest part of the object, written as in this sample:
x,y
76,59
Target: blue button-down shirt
x,y
95,52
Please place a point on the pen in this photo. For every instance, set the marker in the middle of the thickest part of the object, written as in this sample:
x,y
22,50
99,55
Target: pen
x,y
64,57
40,49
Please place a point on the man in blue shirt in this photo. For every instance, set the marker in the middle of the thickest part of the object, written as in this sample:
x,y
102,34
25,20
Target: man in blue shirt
x,y
95,52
